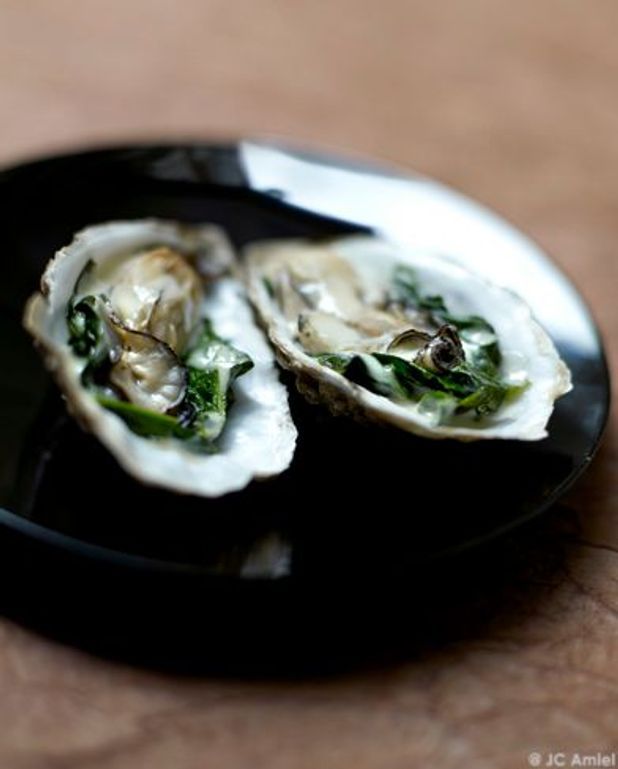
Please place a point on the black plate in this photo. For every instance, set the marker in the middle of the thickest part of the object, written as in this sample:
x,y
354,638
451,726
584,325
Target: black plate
x,y
359,507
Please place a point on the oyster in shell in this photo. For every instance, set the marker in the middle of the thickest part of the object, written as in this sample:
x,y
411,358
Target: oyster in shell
x,y
409,339
153,342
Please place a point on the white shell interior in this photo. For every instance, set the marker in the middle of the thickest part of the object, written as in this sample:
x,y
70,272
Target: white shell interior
x,y
259,437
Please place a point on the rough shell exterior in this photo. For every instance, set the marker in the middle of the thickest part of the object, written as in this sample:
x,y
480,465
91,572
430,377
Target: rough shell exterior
x,y
524,419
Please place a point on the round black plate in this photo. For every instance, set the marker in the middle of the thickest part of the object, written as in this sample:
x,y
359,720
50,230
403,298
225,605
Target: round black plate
x,y
359,507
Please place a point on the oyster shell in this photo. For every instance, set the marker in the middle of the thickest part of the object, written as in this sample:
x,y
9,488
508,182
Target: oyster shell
x,y
404,338
118,321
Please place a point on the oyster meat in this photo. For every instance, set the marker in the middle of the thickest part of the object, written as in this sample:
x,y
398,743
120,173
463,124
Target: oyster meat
x,y
151,338
404,338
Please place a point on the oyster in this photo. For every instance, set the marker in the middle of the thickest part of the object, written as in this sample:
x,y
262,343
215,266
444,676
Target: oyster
x,y
409,339
152,340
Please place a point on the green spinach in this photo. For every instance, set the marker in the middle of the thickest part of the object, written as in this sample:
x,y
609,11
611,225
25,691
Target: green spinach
x,y
473,385
212,366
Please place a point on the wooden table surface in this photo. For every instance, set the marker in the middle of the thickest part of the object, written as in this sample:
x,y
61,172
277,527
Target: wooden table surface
x,y
516,103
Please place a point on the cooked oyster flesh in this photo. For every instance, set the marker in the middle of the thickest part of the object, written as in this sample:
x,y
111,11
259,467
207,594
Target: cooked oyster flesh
x,y
146,371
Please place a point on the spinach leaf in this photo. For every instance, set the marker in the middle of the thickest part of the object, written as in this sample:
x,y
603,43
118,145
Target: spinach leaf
x,y
144,421
364,370
485,400
457,391
212,366
84,326
208,400
89,338
437,406
473,389
339,362
368,372
205,390
209,351
268,285
83,320
416,379
405,291
484,358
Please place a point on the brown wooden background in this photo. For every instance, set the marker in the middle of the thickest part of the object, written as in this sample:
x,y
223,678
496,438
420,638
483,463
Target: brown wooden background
x,y
516,103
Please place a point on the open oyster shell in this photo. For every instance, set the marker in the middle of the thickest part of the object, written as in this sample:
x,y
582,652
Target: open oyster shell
x,y
152,307
316,300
